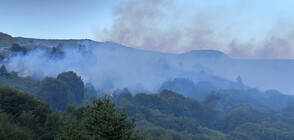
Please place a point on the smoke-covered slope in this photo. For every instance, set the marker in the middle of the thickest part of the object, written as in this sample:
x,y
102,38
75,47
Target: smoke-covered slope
x,y
109,65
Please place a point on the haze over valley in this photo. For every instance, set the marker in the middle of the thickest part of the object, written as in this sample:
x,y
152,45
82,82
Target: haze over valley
x,y
109,65
146,70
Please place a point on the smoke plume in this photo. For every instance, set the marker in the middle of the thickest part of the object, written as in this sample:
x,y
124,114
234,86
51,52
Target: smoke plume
x,y
181,26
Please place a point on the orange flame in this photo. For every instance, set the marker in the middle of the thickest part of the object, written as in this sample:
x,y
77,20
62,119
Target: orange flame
x,y
110,94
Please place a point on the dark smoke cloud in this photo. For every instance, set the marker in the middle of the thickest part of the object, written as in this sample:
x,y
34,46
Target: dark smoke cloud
x,y
166,26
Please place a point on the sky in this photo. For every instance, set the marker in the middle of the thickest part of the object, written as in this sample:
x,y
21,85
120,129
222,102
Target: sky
x,y
246,29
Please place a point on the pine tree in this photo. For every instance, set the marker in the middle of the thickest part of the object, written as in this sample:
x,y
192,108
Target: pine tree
x,y
72,128
102,122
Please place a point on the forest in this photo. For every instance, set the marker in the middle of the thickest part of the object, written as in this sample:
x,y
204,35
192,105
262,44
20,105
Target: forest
x,y
64,107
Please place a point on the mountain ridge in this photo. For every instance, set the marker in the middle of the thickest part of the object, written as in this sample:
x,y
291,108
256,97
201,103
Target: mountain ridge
x,y
23,40
145,68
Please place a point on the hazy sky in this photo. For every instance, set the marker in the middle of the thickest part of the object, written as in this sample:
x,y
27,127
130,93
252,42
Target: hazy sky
x,y
240,28
55,18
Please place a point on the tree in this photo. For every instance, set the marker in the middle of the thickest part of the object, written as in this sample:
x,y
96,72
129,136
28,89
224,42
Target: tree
x,y
239,80
57,51
15,103
27,116
55,92
3,71
11,131
90,90
72,128
102,122
2,57
17,48
75,83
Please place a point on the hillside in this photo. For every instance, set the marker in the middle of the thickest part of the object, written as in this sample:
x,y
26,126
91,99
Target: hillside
x,y
201,94
6,40
115,64
231,114
208,113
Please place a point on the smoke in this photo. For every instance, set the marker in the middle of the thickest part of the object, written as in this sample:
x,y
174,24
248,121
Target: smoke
x,y
277,44
170,26
105,65
180,26
159,25
109,66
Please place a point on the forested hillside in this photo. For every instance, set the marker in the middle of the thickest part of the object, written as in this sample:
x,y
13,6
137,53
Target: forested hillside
x,y
24,117
210,113
146,70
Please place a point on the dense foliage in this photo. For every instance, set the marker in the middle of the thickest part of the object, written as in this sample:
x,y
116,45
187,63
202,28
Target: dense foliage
x,y
225,114
14,80
24,117
75,83
55,92
102,122
67,88
207,112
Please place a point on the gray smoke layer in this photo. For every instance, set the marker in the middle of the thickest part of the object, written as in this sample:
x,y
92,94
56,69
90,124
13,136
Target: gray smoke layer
x,y
166,26
106,66
109,66
159,25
